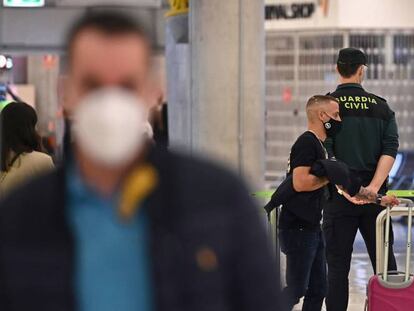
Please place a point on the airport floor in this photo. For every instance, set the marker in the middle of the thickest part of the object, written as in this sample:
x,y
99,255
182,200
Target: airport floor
x,y
361,269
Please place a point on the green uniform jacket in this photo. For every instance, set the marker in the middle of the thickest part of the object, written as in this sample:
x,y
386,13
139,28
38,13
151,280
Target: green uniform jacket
x,y
369,129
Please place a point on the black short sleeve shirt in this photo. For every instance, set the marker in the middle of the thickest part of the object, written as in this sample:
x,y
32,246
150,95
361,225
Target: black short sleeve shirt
x,y
304,209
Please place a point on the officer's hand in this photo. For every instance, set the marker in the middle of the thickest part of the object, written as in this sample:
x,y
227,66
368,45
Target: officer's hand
x,y
371,189
389,200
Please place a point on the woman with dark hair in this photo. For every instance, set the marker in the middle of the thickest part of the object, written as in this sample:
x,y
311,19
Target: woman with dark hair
x,y
21,157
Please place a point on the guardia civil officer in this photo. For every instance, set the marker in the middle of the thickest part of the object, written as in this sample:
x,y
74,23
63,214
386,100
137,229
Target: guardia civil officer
x,y
368,143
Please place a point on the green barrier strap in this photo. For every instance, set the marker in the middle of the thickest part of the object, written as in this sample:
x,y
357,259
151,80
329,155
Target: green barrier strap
x,y
267,194
402,193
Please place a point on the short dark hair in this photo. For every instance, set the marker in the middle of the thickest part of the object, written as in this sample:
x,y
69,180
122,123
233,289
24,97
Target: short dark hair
x,y
18,133
315,101
347,70
108,22
319,99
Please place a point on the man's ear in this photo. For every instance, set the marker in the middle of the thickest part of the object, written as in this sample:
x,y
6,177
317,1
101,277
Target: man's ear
x,y
361,70
320,115
361,73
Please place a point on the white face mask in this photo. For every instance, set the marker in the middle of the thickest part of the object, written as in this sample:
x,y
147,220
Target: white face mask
x,y
109,126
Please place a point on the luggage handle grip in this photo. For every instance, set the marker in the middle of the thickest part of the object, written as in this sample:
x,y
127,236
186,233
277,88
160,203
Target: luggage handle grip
x,y
406,202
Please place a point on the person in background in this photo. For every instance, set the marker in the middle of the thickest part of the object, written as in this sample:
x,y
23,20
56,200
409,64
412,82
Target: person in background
x,y
368,144
21,156
125,225
159,121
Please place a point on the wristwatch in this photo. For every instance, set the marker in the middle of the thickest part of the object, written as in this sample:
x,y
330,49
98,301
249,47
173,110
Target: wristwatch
x,y
378,199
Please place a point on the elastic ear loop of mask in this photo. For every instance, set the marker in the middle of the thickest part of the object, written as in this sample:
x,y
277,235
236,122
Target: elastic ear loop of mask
x,y
139,184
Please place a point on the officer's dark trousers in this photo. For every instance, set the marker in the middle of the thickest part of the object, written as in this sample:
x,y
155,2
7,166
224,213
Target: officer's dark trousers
x,y
341,223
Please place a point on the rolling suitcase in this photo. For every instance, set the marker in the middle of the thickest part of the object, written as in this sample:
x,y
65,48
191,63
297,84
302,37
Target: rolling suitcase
x,y
391,291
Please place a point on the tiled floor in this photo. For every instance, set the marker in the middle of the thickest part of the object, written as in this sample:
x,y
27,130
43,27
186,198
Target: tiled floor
x,y
361,269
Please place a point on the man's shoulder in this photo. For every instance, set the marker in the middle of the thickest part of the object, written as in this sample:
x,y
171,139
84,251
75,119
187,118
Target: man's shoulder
x,y
356,91
381,104
42,187
195,170
382,99
192,176
356,101
306,139
200,184
378,99
26,203
307,135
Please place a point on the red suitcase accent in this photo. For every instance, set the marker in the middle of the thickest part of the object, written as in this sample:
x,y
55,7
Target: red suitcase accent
x,y
382,298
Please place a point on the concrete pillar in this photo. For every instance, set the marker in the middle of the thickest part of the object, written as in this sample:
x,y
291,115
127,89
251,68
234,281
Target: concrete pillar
x,y
177,51
221,114
43,73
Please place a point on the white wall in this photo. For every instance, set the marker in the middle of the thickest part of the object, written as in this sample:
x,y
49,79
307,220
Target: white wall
x,y
376,13
350,14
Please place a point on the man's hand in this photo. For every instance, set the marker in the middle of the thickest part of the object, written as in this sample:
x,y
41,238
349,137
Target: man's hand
x,y
354,200
389,200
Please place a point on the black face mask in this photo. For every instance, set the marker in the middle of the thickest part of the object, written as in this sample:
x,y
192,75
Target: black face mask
x,y
332,127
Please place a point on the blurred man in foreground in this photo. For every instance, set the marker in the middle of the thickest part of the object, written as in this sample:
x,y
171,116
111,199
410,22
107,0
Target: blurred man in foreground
x,y
124,226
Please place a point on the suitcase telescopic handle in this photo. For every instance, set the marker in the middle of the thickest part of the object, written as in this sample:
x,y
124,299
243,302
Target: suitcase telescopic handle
x,y
408,203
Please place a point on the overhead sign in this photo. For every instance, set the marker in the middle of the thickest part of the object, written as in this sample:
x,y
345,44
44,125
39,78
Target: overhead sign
x,y
289,11
301,14
23,3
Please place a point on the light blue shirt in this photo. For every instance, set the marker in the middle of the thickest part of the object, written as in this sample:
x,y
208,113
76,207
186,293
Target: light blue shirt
x,y
112,265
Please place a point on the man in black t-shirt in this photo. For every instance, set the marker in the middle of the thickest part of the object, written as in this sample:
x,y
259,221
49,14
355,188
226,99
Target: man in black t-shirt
x,y
300,232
